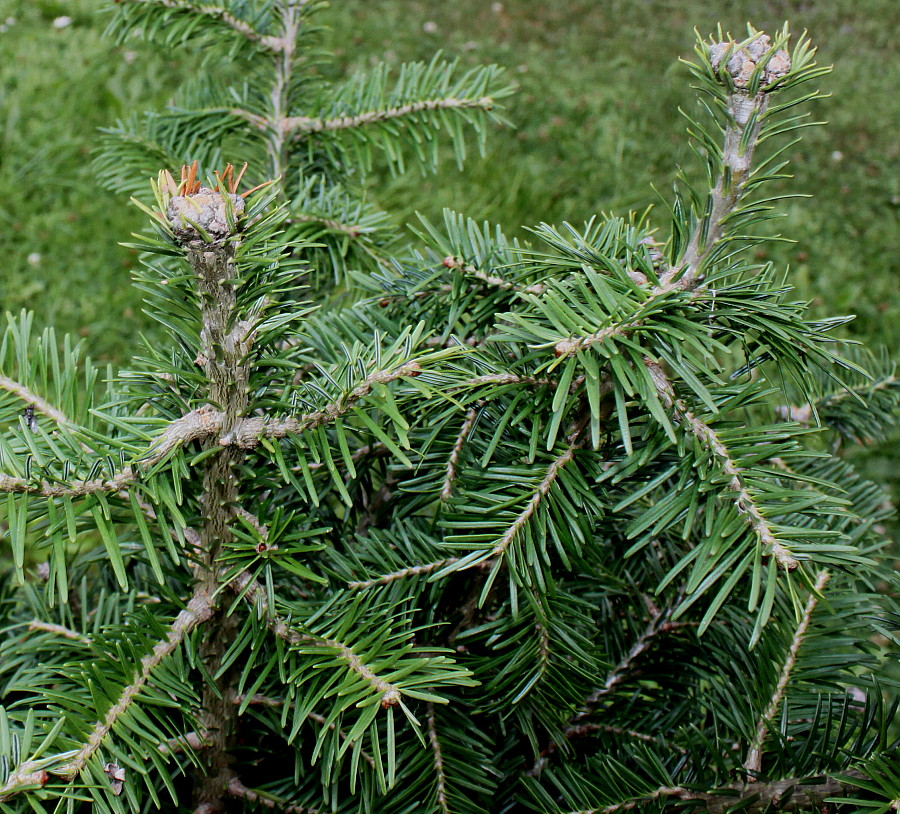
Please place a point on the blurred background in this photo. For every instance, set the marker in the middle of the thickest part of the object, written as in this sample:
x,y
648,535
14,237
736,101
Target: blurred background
x,y
595,128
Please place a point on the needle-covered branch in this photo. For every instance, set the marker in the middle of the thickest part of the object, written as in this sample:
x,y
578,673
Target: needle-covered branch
x,y
753,68
500,548
300,126
198,610
41,405
753,763
58,630
458,519
403,573
389,693
78,488
217,12
239,791
793,794
441,780
250,431
745,500
657,625
453,461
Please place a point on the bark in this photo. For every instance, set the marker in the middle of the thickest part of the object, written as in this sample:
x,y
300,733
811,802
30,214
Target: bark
x,y
224,346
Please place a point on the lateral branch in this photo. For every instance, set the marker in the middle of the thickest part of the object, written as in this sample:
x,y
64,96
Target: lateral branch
x,y
531,507
792,794
753,763
251,590
453,461
657,624
216,11
239,791
744,500
403,573
248,432
299,126
440,777
28,774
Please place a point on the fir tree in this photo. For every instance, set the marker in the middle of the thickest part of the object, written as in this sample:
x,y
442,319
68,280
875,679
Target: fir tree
x,y
557,527
261,93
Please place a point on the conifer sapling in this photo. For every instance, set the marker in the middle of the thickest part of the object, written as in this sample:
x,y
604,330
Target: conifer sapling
x,y
522,531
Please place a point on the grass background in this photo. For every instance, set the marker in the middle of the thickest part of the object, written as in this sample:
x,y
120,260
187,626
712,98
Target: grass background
x,y
596,129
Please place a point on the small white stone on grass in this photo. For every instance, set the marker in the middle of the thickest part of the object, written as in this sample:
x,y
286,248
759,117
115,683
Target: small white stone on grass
x,y
62,22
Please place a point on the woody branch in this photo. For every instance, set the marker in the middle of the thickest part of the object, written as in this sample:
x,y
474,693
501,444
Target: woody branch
x,y
29,774
745,118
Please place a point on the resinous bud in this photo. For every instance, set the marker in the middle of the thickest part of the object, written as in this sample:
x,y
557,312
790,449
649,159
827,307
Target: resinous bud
x,y
207,209
743,61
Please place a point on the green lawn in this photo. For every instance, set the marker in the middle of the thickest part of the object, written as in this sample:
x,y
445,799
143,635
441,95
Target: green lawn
x,y
596,129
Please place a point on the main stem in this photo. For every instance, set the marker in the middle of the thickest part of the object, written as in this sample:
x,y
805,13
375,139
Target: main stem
x,y
222,353
284,65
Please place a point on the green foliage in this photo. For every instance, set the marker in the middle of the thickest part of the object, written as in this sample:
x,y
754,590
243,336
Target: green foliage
x,y
521,531
268,102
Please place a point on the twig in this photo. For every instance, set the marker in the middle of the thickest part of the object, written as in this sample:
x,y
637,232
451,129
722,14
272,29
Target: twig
x,y
450,475
657,624
753,763
217,12
253,592
403,573
492,280
300,126
192,740
259,122
258,526
745,120
512,378
117,483
571,346
802,415
239,791
25,394
78,488
45,488
737,156
59,630
792,794
196,425
661,793
223,355
744,501
279,100
620,672
531,507
441,784
247,433
198,610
